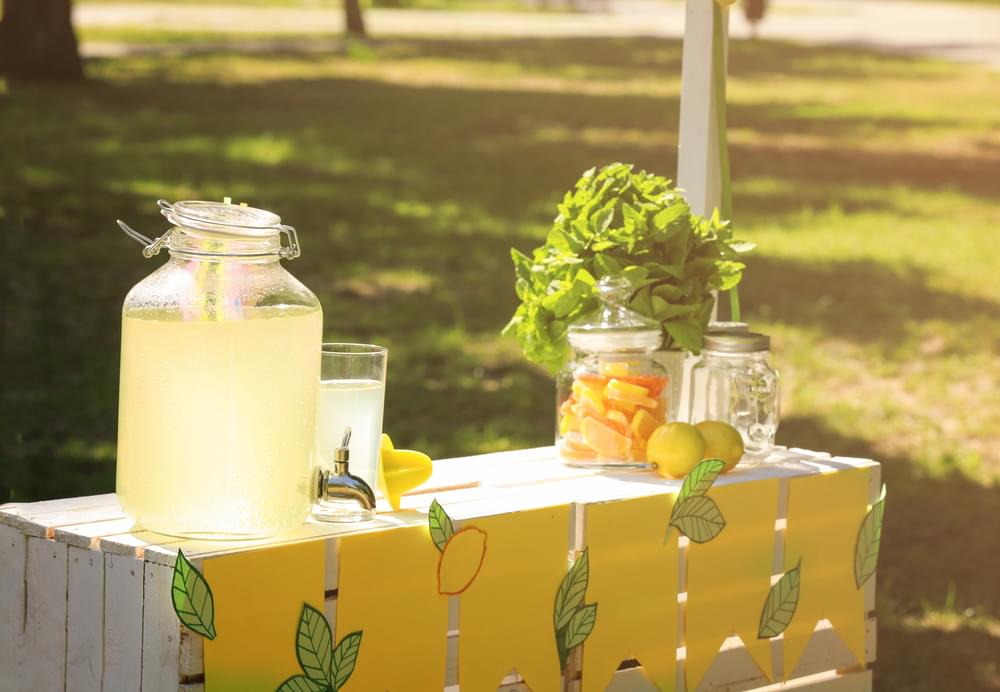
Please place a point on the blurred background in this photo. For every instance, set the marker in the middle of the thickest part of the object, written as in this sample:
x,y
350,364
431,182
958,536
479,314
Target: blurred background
x,y
412,142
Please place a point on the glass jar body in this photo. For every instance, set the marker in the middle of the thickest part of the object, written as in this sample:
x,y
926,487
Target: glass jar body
x,y
741,389
219,372
607,406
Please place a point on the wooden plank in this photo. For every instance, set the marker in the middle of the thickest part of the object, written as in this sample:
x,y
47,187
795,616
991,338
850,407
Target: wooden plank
x,y
88,535
698,172
85,620
34,522
191,659
633,680
41,655
13,569
161,630
33,510
123,577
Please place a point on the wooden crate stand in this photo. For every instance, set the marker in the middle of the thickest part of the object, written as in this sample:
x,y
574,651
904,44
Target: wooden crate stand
x,y
85,601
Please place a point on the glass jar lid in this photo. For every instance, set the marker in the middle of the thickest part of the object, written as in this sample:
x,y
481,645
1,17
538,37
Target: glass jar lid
x,y
614,326
736,342
232,230
223,217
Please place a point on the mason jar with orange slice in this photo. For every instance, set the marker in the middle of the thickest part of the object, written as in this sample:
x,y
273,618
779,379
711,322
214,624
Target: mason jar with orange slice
x,y
613,394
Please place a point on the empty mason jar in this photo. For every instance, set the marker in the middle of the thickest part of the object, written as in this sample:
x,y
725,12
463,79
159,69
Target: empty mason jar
x,y
734,383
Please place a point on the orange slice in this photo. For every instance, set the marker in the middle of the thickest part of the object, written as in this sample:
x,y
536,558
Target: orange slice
x,y
604,440
643,424
619,421
619,390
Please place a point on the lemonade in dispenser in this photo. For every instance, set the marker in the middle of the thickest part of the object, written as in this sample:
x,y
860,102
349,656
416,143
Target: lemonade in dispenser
x,y
220,362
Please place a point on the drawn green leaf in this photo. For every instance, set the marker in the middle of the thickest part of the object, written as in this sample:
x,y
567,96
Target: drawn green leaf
x,y
698,481
780,604
440,524
699,518
344,658
300,683
867,545
571,591
580,625
314,645
192,598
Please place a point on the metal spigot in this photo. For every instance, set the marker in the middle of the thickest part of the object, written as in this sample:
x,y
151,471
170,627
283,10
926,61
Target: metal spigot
x,y
340,484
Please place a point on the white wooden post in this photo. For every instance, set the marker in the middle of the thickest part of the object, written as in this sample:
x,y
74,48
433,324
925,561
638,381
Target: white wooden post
x,y
698,144
698,170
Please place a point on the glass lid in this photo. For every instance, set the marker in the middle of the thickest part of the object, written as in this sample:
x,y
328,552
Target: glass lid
x,y
614,326
223,217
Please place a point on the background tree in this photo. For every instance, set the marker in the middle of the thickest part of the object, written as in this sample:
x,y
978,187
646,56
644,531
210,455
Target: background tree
x,y
37,41
355,22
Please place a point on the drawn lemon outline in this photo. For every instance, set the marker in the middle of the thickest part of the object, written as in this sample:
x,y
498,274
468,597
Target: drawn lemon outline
x,y
460,560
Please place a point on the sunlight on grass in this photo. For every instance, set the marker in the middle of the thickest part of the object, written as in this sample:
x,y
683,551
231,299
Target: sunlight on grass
x,y
410,168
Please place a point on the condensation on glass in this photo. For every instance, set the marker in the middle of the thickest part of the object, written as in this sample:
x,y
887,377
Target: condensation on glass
x,y
219,367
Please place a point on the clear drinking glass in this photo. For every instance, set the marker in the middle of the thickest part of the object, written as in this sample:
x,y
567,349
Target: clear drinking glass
x,y
351,394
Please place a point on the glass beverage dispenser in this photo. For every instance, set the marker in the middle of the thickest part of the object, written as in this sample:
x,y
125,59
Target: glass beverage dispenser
x,y
219,366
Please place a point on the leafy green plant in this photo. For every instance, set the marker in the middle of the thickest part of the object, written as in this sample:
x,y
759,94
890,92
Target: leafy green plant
x,y
636,224
326,668
572,619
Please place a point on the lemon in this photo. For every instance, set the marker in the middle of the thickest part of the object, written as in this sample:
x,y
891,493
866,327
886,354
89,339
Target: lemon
x,y
675,448
722,441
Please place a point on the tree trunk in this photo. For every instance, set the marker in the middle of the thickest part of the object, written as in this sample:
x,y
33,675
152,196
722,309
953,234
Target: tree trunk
x,y
37,42
355,21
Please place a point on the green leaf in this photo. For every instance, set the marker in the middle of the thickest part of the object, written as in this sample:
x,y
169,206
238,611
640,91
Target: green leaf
x,y
780,604
666,217
572,590
300,683
440,524
742,246
698,518
698,481
601,221
867,544
345,656
192,598
314,645
580,625
613,220
686,333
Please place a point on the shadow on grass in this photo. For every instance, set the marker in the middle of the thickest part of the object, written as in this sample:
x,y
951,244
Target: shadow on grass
x,y
380,177
939,536
860,300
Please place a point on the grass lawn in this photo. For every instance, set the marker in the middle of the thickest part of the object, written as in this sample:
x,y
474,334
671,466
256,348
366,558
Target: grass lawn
x,y
410,167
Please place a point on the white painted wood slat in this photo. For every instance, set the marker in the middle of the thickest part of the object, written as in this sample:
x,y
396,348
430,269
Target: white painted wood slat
x,y
13,567
122,623
85,620
41,651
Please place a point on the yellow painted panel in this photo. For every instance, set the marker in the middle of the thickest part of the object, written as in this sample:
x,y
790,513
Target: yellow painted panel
x,y
258,600
824,515
505,617
633,580
388,589
729,577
